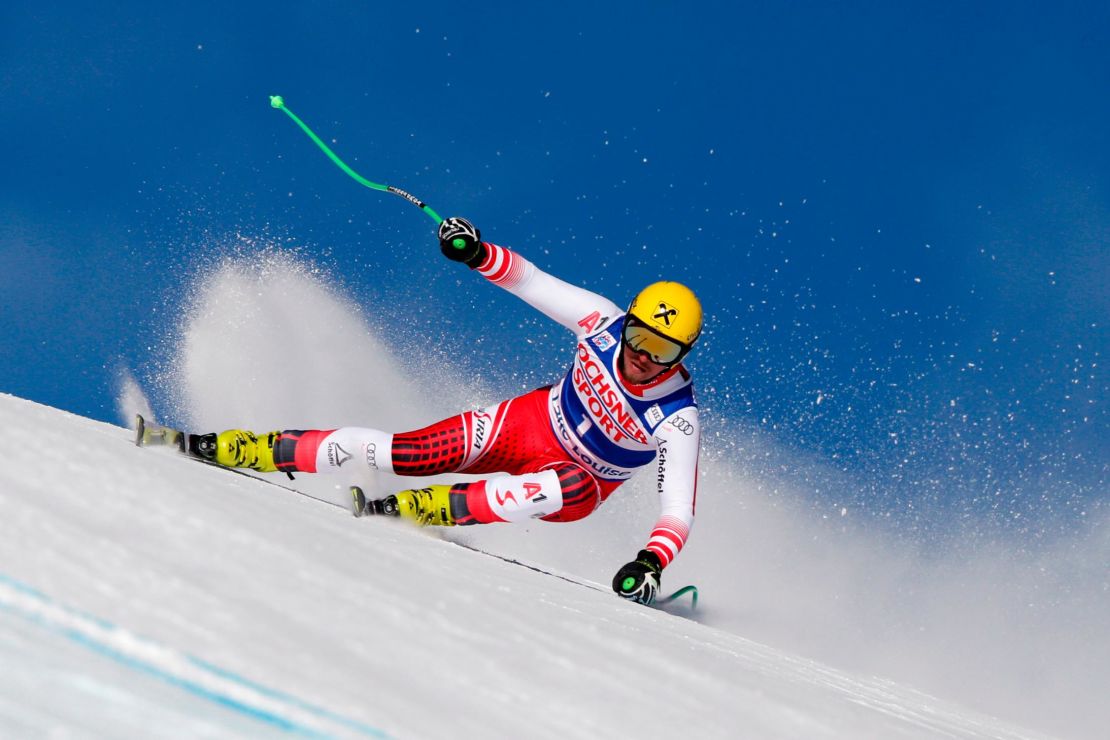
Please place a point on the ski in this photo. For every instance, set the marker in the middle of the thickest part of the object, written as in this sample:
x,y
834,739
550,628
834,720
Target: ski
x,y
152,434
362,507
358,501
195,446
657,604
149,434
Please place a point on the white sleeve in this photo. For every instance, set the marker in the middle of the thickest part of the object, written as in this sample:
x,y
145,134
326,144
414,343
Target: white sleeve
x,y
575,308
678,439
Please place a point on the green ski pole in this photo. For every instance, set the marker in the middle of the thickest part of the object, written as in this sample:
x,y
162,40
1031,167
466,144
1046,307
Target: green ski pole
x,y
692,590
276,101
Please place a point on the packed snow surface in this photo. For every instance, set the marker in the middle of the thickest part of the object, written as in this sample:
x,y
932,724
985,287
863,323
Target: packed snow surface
x,y
143,593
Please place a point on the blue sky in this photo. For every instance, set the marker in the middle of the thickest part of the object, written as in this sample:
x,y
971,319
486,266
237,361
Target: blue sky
x,y
896,217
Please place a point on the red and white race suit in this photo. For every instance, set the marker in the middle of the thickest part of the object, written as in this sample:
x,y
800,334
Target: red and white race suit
x,y
554,453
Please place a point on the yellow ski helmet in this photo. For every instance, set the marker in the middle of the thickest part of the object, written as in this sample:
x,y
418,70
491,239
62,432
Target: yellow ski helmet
x,y
664,320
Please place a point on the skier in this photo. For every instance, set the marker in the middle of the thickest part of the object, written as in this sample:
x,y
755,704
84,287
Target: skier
x,y
555,453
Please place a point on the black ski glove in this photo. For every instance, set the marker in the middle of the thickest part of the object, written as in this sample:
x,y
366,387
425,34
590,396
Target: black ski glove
x,y
460,240
639,580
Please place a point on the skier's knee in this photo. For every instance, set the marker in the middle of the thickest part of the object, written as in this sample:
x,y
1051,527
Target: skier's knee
x,y
581,494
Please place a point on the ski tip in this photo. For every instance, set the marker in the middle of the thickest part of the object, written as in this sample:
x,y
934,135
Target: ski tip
x,y
140,426
358,501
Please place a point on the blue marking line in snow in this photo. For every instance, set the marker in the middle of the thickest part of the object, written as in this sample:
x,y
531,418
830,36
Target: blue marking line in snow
x,y
203,679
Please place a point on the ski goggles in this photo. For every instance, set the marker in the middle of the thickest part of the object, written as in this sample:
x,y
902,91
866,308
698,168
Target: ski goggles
x,y
662,350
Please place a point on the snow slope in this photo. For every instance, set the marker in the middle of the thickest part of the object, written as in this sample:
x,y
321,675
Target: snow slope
x,y
142,593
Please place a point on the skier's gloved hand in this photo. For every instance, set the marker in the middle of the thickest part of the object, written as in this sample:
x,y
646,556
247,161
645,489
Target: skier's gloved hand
x,y
460,240
639,580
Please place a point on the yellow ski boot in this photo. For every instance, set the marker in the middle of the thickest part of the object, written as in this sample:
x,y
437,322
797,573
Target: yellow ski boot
x,y
429,506
238,448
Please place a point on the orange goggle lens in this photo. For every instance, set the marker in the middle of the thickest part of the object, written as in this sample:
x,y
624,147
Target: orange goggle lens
x,y
660,349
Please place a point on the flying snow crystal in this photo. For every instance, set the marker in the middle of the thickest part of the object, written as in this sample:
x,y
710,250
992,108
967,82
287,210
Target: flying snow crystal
x,y
130,399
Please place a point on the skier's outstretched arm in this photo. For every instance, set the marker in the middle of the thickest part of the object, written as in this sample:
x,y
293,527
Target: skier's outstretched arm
x,y
678,441
576,308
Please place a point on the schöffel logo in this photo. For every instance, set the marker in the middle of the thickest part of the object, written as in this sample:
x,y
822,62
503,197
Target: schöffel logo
x,y
337,455
661,477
